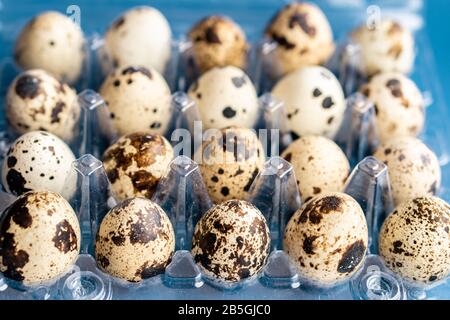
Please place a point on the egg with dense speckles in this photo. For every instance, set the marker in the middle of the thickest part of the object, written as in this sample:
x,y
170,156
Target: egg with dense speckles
x,y
327,239
138,99
39,238
136,163
384,47
319,164
53,42
303,35
229,163
39,160
217,41
140,36
399,105
231,241
135,240
415,240
314,100
225,97
414,169
37,101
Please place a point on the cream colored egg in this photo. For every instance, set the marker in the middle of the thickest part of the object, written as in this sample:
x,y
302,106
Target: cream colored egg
x,y
38,101
225,97
39,160
138,99
415,242
327,239
229,163
39,238
413,168
135,241
303,35
386,47
319,164
399,105
231,241
314,99
140,37
136,163
53,42
217,41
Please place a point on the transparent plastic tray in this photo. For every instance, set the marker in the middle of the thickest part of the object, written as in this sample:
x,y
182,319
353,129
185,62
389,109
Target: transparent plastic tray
x,y
182,192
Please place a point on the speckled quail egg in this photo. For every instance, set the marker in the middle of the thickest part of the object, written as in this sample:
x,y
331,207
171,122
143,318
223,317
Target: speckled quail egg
x,y
141,37
314,99
413,168
231,241
229,163
135,240
225,97
136,163
415,242
39,160
37,101
217,41
138,99
385,47
319,164
53,42
303,36
327,239
39,238
399,105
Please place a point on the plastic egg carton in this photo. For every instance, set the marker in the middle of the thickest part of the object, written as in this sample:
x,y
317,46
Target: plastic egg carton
x,y
182,193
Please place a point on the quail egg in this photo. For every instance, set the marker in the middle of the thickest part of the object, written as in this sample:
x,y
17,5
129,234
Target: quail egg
x,y
413,168
53,42
135,241
37,101
217,41
138,99
231,241
319,164
303,36
229,163
136,163
314,99
39,238
39,160
398,103
225,97
385,47
140,37
415,242
327,239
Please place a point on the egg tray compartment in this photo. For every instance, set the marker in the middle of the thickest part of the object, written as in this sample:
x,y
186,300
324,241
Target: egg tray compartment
x,y
279,279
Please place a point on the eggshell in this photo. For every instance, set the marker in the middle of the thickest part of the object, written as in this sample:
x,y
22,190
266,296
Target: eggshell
x,y
217,41
319,164
415,242
231,241
39,160
327,239
303,35
39,238
225,97
399,105
229,163
314,100
414,169
136,163
38,101
54,42
135,240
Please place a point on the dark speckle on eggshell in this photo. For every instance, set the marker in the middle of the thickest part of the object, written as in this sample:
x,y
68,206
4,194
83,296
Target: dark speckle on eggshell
x,y
28,87
65,238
